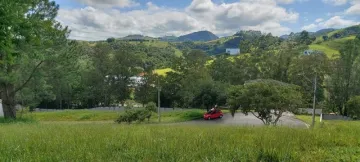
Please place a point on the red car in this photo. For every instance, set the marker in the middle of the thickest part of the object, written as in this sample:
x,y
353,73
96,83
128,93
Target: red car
x,y
213,114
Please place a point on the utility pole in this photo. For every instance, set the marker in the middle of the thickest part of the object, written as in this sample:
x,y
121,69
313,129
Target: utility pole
x,y
314,102
159,89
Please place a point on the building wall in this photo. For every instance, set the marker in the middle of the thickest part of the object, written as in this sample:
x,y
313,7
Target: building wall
x,y
309,111
233,51
334,117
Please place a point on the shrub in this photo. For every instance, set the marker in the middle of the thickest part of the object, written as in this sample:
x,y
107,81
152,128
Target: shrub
x,y
150,107
132,115
353,106
18,120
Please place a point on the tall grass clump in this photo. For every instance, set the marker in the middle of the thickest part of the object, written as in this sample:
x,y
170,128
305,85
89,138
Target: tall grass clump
x,y
18,120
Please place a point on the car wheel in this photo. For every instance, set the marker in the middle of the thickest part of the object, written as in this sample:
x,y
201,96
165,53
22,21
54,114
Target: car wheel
x,y
209,118
221,116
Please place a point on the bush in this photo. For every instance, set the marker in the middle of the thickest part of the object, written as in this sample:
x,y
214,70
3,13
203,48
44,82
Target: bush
x,y
134,115
353,106
151,106
129,104
18,120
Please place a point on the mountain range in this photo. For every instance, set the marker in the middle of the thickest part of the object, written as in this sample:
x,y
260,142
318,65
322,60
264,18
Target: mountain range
x,y
327,40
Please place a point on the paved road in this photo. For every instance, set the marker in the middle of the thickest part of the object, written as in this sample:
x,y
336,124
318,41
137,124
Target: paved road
x,y
250,120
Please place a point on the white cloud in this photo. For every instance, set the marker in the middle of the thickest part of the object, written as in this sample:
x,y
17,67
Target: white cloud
x,y
337,22
336,2
109,3
353,10
319,20
269,27
285,1
309,27
94,23
333,22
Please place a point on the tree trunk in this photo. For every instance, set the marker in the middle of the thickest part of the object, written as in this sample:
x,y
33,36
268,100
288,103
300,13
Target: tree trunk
x,y
8,100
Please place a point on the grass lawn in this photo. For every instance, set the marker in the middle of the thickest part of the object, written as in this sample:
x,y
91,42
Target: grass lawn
x,y
91,115
308,118
338,141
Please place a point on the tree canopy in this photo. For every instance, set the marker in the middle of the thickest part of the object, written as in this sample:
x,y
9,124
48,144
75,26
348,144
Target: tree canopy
x,y
265,99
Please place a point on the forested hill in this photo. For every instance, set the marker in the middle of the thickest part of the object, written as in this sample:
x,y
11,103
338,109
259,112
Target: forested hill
x,y
328,41
199,36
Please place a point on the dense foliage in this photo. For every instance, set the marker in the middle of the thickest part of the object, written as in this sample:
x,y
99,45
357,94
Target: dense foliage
x,y
265,99
39,67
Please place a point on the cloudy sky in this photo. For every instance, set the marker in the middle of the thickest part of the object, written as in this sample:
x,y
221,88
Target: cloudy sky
x,y
101,19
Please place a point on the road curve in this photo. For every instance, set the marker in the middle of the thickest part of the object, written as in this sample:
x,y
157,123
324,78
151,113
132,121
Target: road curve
x,y
241,119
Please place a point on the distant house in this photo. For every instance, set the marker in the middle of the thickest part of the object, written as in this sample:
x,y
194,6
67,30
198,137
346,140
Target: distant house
x,y
308,52
136,80
233,51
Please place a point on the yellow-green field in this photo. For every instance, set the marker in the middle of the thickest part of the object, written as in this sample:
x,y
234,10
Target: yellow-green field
x,y
331,53
162,72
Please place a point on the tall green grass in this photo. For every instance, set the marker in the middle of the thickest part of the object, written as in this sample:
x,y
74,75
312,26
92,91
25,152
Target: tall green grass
x,y
112,142
18,120
91,115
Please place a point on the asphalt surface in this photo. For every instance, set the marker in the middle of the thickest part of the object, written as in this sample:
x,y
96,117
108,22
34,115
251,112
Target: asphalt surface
x,y
241,119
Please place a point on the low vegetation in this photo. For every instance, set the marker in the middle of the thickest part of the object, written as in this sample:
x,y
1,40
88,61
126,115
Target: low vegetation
x,y
110,116
109,142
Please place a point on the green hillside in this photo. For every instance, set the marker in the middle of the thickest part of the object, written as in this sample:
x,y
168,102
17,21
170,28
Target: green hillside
x,y
335,40
159,44
332,47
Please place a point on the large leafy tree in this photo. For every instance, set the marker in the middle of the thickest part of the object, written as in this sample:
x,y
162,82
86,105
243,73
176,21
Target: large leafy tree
x,y
304,69
28,31
265,99
344,80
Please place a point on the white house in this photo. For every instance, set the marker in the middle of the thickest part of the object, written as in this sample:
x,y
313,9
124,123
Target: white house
x,y
1,110
233,51
136,80
308,52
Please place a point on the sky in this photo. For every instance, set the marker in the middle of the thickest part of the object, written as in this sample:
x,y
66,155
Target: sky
x,y
102,19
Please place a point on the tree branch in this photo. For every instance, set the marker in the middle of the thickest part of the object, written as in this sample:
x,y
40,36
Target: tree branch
x,y
31,75
258,117
279,115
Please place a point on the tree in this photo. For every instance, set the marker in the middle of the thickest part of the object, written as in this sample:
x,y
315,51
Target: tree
x,y
125,64
345,73
110,40
145,92
209,94
29,33
354,107
150,108
325,37
245,46
222,69
265,99
305,38
304,69
278,65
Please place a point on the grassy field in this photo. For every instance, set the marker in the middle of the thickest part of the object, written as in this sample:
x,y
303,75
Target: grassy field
x,y
336,141
90,115
331,53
